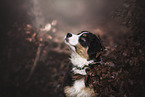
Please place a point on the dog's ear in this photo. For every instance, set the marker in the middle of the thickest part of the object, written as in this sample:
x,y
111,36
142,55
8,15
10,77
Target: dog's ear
x,y
95,47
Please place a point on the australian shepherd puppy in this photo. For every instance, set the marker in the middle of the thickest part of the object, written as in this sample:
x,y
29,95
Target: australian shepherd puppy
x,y
85,50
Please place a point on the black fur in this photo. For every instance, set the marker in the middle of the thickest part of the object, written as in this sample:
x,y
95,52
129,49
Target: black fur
x,y
68,80
94,46
93,43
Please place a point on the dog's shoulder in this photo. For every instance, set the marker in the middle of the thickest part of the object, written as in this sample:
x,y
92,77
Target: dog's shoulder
x,y
68,81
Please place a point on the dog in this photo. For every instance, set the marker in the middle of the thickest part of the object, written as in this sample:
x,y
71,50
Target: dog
x,y
86,50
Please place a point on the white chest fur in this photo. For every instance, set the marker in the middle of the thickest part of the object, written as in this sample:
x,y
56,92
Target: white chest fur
x,y
77,60
79,90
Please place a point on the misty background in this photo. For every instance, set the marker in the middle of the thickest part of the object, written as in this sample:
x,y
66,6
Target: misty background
x,y
33,55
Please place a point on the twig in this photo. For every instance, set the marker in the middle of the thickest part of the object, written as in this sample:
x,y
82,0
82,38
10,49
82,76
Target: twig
x,y
36,60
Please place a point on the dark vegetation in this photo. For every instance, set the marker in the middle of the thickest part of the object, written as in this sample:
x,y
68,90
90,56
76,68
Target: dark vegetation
x,y
19,51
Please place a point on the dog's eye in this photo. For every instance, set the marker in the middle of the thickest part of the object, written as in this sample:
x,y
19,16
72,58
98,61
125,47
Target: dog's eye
x,y
83,39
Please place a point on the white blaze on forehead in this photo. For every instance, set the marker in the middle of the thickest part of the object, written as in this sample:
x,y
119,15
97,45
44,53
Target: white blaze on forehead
x,y
74,39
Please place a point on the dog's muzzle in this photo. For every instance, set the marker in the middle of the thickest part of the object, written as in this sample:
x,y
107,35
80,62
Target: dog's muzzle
x,y
68,36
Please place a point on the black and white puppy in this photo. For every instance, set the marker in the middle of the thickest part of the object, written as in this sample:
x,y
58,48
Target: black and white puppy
x,y
85,50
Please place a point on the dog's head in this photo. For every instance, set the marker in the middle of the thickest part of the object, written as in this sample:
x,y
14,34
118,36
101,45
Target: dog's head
x,y
86,44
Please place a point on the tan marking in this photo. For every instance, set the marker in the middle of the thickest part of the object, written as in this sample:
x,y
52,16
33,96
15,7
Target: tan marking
x,y
85,35
69,90
89,90
98,54
84,92
78,76
82,51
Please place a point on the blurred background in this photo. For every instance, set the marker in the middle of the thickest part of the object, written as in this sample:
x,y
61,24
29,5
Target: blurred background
x,y
34,57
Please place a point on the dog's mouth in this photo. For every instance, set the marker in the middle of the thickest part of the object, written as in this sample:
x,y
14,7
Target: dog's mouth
x,y
67,40
71,47
71,40
67,37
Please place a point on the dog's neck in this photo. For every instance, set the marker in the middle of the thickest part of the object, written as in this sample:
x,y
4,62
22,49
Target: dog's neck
x,y
77,60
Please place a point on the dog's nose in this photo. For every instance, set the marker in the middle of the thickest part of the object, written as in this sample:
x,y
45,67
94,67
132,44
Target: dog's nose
x,y
68,35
